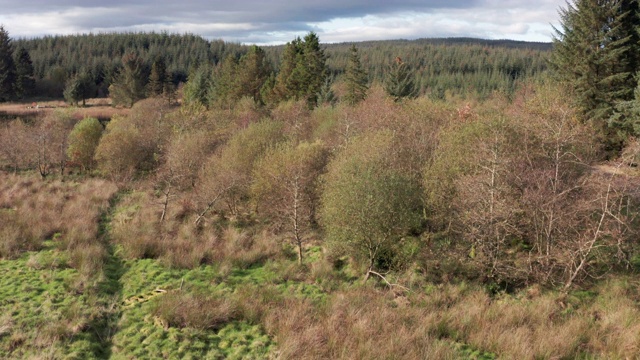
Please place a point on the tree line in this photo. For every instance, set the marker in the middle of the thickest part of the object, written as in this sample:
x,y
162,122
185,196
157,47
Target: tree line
x,y
456,67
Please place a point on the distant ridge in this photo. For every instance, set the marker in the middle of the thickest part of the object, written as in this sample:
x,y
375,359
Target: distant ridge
x,y
505,43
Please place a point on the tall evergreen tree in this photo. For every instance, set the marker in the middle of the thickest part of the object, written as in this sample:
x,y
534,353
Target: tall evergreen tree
x,y
400,81
596,50
157,78
627,115
355,79
326,94
225,85
79,88
25,83
253,71
198,87
7,66
314,68
129,84
286,85
303,70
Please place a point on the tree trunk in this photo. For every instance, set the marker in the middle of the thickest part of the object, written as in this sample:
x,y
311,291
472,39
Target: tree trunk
x,y
299,253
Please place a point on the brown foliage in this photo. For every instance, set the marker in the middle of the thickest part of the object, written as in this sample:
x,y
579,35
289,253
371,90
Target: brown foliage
x,y
197,311
178,241
32,211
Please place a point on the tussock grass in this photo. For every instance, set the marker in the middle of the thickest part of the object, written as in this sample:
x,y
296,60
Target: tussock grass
x,y
197,311
34,211
179,242
42,313
238,285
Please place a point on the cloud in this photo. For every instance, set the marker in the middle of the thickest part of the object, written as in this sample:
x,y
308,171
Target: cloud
x,y
253,21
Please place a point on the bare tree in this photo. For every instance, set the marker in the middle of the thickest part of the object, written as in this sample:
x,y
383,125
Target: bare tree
x,y
285,188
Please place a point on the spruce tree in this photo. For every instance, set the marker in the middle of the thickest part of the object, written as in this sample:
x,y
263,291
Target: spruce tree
x,y
596,50
225,84
355,79
302,72
287,86
79,87
326,94
314,68
129,84
157,78
25,83
253,71
7,66
400,82
198,88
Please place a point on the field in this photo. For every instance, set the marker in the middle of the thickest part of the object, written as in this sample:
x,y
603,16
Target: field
x,y
58,302
98,108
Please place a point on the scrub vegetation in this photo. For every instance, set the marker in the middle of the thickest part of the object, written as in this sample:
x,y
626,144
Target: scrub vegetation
x,y
304,216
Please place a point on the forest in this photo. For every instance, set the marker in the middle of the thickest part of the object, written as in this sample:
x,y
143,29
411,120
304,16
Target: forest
x,y
443,198
439,64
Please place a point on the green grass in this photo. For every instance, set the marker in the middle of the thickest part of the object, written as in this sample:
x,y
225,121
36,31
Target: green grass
x,y
43,311
143,336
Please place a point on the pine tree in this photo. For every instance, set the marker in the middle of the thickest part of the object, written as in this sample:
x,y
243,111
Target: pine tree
x,y
157,78
225,89
25,82
169,90
627,115
400,81
286,85
129,84
7,66
326,94
596,50
315,68
355,79
302,72
198,87
79,88
253,71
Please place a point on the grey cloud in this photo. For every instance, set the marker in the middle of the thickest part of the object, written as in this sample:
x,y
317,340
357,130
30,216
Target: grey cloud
x,y
273,11
241,20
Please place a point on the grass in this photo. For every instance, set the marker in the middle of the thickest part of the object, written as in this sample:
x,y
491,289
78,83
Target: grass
x,y
98,108
73,287
42,311
169,312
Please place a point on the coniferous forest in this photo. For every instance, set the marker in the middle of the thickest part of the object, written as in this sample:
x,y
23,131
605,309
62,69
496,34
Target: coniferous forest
x,y
165,196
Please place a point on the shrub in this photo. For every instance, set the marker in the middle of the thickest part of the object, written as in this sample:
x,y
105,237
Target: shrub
x,y
83,141
197,311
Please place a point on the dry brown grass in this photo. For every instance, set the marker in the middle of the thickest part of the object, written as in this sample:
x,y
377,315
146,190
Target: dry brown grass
x,y
198,311
69,212
179,242
367,323
98,108
354,324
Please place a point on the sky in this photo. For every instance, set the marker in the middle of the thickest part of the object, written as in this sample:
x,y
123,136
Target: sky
x,y
267,22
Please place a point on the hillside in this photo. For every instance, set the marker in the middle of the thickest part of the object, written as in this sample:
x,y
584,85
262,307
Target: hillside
x,y
457,65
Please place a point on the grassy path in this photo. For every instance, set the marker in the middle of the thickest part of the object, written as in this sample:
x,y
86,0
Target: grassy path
x,y
108,289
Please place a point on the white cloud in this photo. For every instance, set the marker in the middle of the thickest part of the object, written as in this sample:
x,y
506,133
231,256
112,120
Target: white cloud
x,y
278,21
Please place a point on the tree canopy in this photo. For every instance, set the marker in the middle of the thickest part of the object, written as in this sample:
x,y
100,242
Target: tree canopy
x,y
596,50
355,78
7,66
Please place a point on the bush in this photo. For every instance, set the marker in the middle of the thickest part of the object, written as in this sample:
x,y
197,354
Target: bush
x,y
197,311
